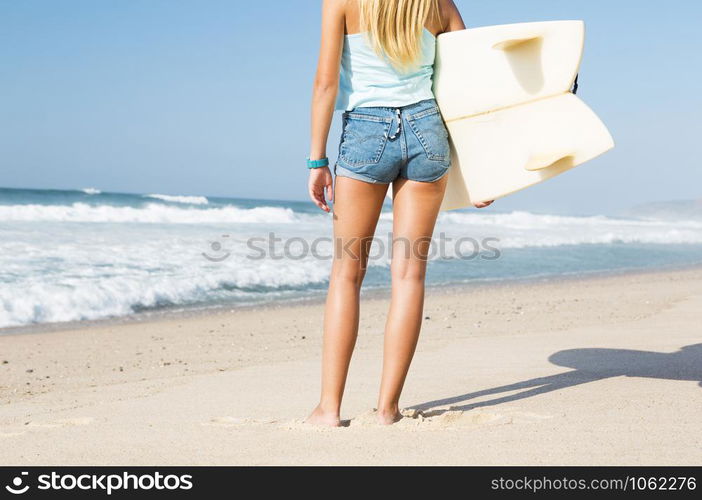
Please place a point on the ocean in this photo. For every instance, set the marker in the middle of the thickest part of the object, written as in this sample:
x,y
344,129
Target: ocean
x,y
86,254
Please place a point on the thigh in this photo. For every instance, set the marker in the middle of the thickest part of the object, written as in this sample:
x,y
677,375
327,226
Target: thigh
x,y
357,207
415,210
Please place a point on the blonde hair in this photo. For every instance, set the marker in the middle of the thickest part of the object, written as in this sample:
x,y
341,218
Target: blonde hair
x,y
395,28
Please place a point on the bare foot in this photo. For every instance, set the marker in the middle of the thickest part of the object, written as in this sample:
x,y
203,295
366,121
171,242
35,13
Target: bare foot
x,y
320,417
389,417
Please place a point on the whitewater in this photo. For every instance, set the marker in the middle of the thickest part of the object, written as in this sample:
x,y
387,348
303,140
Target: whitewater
x,y
88,254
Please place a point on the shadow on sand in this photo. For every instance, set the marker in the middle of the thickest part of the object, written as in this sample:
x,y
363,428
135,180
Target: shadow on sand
x,y
588,365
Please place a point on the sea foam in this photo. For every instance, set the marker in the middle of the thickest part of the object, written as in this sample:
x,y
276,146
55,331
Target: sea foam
x,y
189,200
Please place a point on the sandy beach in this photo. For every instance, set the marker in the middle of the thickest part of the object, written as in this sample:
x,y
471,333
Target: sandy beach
x,y
597,370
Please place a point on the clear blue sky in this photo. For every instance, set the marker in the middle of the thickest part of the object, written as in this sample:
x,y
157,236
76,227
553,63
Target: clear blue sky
x,y
212,96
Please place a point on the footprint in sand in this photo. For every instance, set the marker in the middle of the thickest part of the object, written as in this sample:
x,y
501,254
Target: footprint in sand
x,y
454,417
412,420
450,418
446,418
435,419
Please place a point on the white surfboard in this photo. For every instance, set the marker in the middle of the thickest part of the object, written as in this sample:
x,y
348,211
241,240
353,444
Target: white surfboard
x,y
504,94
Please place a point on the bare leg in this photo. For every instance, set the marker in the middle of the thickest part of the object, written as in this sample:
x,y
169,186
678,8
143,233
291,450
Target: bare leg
x,y
357,207
415,209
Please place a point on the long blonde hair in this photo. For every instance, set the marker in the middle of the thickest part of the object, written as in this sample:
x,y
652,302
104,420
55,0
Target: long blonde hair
x,y
395,28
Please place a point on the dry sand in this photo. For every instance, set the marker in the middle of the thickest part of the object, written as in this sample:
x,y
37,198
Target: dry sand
x,y
601,370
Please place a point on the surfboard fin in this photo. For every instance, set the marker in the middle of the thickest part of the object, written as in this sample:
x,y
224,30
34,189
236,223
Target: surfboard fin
x,y
541,161
514,43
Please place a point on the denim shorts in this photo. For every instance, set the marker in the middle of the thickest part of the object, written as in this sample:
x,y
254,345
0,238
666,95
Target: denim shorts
x,y
380,144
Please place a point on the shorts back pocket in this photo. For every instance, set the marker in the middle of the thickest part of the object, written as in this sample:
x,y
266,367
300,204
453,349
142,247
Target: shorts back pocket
x,y
363,139
431,133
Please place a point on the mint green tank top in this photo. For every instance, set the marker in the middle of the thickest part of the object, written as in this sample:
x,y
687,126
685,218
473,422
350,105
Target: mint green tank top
x,y
367,80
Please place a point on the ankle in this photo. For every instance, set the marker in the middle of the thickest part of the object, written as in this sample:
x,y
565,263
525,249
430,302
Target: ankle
x,y
328,408
388,409
389,414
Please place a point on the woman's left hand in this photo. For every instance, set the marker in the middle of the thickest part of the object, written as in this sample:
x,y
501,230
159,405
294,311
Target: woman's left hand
x,y
321,181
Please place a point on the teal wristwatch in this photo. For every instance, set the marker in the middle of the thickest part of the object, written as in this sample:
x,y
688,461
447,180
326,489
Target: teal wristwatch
x,y
322,162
